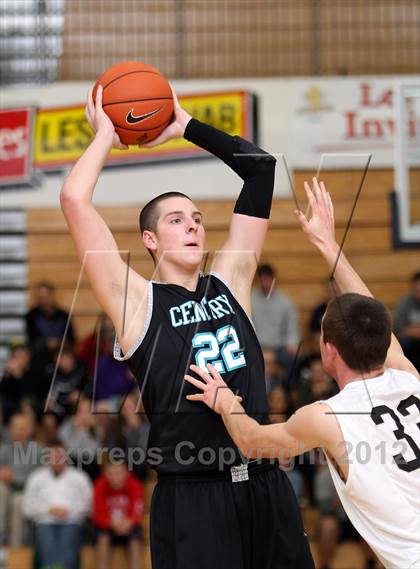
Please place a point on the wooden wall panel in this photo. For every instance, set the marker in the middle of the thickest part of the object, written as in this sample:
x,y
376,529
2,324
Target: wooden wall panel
x,y
300,269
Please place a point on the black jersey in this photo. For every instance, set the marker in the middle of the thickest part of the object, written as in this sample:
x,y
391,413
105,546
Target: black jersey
x,y
182,327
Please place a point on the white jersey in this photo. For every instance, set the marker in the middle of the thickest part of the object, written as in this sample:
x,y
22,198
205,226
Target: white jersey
x,y
379,419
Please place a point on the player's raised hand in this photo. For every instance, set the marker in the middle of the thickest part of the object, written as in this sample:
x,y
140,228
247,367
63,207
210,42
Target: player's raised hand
x,y
320,227
215,393
175,129
99,121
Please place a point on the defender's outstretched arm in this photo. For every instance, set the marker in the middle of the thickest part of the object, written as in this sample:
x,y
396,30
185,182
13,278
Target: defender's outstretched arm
x,y
308,428
320,230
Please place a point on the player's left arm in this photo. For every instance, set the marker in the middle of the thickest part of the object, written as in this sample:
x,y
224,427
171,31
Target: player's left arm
x,y
305,430
237,260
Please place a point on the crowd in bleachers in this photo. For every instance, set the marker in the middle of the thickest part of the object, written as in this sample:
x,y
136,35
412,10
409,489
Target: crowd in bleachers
x,y
69,423
74,400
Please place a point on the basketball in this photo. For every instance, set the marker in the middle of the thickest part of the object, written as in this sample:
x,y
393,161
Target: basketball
x,y
138,100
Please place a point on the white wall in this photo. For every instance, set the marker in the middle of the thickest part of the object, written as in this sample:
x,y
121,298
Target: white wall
x,y
290,123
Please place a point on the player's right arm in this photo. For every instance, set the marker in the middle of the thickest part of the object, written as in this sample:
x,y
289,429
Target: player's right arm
x,y
320,230
95,244
310,427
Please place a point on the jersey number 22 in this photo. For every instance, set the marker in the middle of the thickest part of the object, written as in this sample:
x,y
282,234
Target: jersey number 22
x,y
221,349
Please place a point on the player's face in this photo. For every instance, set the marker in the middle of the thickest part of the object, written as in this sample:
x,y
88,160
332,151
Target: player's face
x,y
180,233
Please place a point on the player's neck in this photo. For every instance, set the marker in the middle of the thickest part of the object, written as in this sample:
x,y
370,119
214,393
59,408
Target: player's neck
x,y
346,375
178,276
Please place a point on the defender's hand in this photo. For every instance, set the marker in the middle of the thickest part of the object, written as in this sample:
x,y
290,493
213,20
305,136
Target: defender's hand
x,y
175,129
320,228
99,121
216,394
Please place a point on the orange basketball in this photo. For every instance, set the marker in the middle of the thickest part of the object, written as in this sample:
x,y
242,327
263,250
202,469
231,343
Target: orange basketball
x,y
137,99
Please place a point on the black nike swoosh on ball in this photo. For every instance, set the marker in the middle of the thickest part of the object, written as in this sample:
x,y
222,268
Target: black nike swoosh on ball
x,y
132,119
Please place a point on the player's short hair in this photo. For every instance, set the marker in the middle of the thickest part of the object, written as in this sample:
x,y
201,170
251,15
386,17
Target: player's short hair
x,y
415,277
149,215
360,328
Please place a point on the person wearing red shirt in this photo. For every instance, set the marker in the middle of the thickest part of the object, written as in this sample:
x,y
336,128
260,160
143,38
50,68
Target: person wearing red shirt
x,y
117,513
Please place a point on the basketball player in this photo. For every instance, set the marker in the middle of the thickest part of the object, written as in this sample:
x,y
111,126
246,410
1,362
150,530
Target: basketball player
x,y
209,510
369,431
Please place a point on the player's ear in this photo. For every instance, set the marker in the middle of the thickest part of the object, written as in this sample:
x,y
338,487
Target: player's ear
x,y
331,351
149,239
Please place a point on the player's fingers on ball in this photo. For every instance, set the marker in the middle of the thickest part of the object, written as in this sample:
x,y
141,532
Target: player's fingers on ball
x,y
175,98
88,117
90,103
159,140
99,97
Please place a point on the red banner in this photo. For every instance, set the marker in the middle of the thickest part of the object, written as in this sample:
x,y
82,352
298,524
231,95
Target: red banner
x,y
16,145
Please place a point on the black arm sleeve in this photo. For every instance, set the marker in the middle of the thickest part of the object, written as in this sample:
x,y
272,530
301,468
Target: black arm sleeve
x,y
253,165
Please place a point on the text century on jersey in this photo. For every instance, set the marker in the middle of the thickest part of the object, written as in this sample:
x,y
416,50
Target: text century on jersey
x,y
191,312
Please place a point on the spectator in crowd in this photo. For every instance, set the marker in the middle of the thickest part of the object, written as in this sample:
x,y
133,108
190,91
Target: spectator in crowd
x,y
274,372
18,458
278,405
112,378
46,322
134,429
407,322
67,378
274,316
117,513
334,525
16,375
314,385
79,437
58,499
106,423
99,342
47,431
317,314
279,412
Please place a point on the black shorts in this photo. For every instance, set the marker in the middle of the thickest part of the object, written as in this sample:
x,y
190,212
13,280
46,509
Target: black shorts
x,y
117,539
210,522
